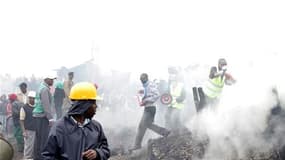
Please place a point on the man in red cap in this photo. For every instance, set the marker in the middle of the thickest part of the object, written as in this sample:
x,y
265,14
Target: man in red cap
x,y
16,107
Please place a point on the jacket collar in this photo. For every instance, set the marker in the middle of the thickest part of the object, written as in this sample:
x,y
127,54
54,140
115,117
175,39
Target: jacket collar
x,y
72,125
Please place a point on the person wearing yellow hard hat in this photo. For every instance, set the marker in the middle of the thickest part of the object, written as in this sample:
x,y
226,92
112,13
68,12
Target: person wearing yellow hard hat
x,y
76,136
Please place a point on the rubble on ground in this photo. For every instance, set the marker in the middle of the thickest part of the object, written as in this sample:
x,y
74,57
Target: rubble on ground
x,y
186,147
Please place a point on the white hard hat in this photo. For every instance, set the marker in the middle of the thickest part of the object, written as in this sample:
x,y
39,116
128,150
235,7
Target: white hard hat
x,y
32,94
50,75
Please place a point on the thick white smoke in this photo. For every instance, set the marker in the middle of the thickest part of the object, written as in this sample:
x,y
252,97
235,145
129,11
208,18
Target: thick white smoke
x,y
237,125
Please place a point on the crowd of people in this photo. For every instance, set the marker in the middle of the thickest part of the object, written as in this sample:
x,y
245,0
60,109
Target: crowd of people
x,y
32,119
174,98
55,121
23,120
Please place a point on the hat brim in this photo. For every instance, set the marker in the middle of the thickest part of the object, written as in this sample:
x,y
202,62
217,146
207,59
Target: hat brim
x,y
50,78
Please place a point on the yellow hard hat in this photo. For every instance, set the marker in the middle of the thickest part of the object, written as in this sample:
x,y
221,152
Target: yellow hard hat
x,y
83,91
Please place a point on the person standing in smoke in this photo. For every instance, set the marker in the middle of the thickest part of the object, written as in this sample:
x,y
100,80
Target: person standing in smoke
x,y
28,124
23,95
67,84
149,98
16,106
59,96
177,91
43,115
213,88
3,112
76,136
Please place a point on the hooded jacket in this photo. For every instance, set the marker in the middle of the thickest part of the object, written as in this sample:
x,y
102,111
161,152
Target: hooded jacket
x,y
67,140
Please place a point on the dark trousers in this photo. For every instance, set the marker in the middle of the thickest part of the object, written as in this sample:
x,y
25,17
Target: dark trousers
x,y
147,122
42,131
201,100
19,138
58,110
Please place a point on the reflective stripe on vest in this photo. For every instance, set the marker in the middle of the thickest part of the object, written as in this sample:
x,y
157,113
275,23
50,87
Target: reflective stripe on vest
x,y
175,93
214,87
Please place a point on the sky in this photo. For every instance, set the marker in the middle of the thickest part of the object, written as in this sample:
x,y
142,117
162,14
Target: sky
x,y
37,36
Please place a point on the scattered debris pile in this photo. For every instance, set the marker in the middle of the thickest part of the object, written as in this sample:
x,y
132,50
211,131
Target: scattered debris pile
x,y
177,147
186,147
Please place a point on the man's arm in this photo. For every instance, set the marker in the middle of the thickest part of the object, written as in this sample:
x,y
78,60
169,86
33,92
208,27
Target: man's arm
x,y
229,79
213,72
103,151
152,95
22,118
66,88
45,99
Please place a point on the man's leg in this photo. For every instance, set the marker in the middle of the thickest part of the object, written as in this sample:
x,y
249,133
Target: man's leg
x,y
159,130
141,130
29,144
58,110
19,138
42,131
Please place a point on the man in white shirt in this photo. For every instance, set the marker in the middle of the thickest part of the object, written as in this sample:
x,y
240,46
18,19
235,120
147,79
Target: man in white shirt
x,y
27,122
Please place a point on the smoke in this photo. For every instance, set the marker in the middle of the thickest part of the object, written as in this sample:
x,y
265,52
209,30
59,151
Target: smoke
x,y
119,112
239,123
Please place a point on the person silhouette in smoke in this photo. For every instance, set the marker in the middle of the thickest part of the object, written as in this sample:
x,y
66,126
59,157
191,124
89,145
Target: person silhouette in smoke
x,y
149,98
211,92
67,84
177,91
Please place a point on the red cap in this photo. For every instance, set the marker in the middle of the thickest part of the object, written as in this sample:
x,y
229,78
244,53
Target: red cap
x,y
12,97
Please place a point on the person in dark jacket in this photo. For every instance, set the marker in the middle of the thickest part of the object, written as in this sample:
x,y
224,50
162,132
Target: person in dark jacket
x,y
59,96
76,136
3,112
28,125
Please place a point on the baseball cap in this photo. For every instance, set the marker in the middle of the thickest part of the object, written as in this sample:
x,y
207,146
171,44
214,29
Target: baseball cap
x,y
50,76
32,94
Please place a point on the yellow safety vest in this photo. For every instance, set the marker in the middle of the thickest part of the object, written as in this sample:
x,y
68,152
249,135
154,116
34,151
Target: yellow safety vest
x,y
175,92
214,87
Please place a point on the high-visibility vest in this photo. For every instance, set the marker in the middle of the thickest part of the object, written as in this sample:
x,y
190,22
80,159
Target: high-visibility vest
x,y
175,92
214,87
